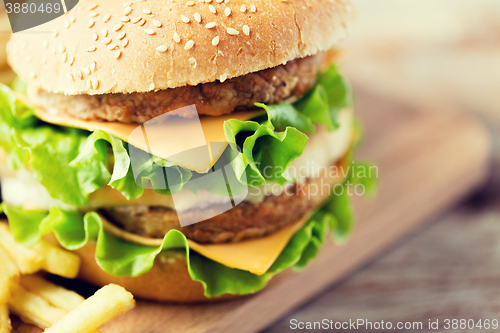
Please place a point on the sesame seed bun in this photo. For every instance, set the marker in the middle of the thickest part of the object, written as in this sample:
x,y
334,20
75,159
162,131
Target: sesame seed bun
x,y
118,47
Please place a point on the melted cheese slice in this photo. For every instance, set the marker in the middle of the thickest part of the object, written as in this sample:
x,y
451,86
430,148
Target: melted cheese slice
x,y
193,143
254,255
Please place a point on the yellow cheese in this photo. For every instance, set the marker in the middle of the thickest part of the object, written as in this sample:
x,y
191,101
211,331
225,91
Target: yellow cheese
x,y
254,255
193,143
109,197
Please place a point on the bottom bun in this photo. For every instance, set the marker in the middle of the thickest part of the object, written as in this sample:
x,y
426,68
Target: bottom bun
x,y
167,281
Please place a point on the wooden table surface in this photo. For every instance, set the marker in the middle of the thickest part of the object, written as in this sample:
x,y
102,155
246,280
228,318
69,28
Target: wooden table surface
x,y
449,269
428,52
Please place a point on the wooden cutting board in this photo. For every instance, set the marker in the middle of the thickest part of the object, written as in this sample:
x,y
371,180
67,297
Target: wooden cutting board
x,y
428,160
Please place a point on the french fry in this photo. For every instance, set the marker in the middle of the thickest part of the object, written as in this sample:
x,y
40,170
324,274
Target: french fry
x,y
29,261
34,309
55,295
58,261
10,273
5,326
107,303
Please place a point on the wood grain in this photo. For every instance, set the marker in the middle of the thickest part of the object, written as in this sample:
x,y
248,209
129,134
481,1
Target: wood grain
x,y
427,161
449,270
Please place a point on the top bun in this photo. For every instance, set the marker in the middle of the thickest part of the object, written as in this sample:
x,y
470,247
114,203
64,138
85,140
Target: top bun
x,y
117,46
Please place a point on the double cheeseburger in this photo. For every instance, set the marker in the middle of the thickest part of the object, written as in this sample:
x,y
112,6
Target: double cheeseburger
x,y
117,91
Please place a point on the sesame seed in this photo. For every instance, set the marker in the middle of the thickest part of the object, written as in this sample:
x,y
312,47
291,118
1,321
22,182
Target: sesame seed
x,y
95,83
253,9
146,11
127,11
72,19
193,62
106,41
44,60
96,36
55,33
118,26
91,23
161,48
91,49
106,18
227,11
246,30
210,25
85,70
72,61
93,66
94,14
61,49
177,38
226,1
89,84
216,40
125,43
118,54
149,31
128,4
219,1
64,57
223,77
70,76
80,75
66,24
121,35
112,46
94,6
136,19
190,3
189,45
212,9
232,31
243,8
125,19
197,17
45,44
185,19
104,32
143,21
32,74
208,1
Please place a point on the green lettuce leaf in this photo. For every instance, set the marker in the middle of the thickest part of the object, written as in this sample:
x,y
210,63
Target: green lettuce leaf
x,y
120,258
331,94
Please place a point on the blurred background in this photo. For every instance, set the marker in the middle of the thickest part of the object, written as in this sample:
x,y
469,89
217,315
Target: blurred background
x,y
433,54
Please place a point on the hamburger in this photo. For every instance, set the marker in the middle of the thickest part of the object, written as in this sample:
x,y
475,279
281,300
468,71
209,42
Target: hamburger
x,y
261,82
